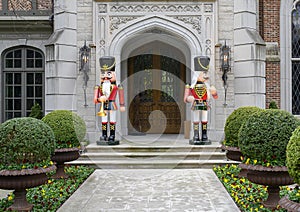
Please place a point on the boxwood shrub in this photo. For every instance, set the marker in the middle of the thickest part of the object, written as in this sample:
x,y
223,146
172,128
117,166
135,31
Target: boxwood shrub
x,y
293,156
234,122
25,143
263,138
69,128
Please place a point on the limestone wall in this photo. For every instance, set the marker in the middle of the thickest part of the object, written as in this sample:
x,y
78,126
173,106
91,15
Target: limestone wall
x,y
223,28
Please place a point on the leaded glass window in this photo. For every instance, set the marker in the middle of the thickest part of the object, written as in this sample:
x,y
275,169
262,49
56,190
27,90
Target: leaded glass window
x,y
23,76
296,60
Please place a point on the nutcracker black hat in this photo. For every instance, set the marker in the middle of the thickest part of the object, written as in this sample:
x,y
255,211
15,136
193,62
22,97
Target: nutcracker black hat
x,y
107,63
201,63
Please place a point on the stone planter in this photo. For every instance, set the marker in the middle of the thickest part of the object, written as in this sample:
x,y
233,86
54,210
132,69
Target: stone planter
x,y
273,177
20,180
234,153
60,157
289,205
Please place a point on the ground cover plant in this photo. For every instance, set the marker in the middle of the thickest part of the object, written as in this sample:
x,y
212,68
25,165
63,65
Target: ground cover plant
x,y
248,196
50,196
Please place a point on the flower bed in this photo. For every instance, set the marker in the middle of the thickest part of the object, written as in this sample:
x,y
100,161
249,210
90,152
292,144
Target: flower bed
x,y
50,196
248,196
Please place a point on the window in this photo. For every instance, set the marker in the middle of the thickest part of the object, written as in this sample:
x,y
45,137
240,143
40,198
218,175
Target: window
x,y
23,81
296,59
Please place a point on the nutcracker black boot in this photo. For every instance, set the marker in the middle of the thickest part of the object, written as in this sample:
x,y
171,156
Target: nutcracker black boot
x,y
196,138
204,132
104,132
112,127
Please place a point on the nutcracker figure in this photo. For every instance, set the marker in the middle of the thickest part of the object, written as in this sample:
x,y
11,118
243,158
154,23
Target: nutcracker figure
x,y
105,95
199,94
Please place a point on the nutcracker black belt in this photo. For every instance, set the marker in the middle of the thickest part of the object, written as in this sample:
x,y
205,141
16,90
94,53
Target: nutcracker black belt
x,y
110,105
199,105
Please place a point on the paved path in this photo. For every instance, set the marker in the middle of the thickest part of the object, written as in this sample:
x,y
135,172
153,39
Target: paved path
x,y
170,190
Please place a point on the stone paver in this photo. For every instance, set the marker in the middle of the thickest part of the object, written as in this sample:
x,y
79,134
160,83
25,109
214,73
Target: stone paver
x,y
148,190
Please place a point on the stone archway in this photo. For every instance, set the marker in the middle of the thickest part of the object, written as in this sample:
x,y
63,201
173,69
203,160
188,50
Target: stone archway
x,y
152,31
120,29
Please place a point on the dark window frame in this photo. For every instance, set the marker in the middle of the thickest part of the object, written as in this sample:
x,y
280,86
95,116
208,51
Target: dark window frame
x,y
36,86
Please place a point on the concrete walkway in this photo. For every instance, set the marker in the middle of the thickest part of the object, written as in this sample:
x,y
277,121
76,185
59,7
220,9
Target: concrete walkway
x,y
174,190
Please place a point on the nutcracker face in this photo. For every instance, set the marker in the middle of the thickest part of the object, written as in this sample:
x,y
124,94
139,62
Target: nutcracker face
x,y
108,76
203,76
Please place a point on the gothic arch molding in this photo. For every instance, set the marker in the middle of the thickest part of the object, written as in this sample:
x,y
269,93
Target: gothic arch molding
x,y
146,24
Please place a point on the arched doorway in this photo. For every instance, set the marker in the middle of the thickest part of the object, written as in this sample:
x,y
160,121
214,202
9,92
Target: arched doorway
x,y
155,89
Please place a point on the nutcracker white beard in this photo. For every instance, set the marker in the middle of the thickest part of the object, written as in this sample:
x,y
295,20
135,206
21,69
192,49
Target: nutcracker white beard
x,y
106,88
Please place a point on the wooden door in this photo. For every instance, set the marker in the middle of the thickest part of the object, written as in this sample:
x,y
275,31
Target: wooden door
x,y
156,93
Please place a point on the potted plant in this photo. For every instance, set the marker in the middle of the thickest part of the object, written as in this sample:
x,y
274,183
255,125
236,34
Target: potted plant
x,y
69,130
25,154
263,139
291,202
232,126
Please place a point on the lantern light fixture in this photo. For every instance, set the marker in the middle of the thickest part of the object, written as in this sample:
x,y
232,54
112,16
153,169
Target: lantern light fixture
x,y
225,66
84,58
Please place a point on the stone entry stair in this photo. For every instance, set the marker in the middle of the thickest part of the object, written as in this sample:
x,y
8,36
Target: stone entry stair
x,y
155,155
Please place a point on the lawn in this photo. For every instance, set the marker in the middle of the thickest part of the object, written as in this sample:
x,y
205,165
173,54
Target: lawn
x,y
50,196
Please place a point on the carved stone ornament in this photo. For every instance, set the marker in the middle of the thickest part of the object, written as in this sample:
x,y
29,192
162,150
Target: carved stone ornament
x,y
188,13
102,8
163,8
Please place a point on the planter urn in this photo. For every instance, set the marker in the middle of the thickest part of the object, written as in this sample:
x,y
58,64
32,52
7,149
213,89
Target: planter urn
x,y
60,157
235,154
289,205
19,181
273,177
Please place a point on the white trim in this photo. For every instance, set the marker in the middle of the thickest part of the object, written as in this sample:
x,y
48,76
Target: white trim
x,y
285,55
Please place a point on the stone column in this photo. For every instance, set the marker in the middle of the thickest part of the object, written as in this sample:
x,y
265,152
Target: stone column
x,y
249,56
61,57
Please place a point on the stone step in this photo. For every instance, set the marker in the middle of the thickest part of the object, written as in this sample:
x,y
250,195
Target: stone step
x,y
153,155
151,164
157,155
148,148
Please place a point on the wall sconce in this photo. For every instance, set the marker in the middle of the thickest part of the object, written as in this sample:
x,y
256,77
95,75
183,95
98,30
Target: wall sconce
x,y
225,66
84,58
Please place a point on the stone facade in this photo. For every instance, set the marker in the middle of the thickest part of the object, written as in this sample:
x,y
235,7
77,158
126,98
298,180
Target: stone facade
x,y
196,28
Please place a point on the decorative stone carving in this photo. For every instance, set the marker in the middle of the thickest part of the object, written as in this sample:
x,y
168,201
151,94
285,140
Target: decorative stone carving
x,y
116,21
195,21
102,43
102,8
121,14
208,8
163,8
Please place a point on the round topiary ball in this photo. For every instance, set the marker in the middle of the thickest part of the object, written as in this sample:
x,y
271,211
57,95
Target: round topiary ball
x,y
233,123
69,128
264,136
25,141
293,156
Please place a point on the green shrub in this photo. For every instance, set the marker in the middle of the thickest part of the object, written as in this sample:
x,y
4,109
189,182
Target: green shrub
x,y
69,128
273,105
293,156
234,122
25,143
264,136
36,111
